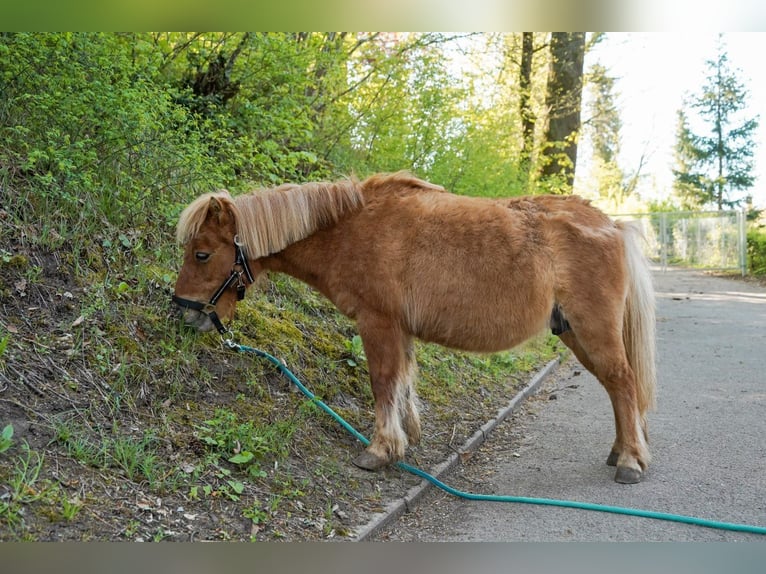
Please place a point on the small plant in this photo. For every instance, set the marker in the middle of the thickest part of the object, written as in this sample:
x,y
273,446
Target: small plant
x,y
4,345
356,348
135,458
70,507
23,486
6,438
255,513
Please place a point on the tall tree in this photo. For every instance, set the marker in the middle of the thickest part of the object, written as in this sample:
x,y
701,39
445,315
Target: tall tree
x,y
525,94
715,163
563,100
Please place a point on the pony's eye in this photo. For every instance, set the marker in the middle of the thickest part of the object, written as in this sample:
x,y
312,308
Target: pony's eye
x,y
202,256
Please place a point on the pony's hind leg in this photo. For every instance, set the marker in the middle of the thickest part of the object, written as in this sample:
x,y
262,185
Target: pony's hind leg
x,y
570,340
600,350
391,372
408,400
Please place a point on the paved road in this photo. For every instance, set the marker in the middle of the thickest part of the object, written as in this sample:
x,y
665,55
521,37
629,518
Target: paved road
x,y
707,436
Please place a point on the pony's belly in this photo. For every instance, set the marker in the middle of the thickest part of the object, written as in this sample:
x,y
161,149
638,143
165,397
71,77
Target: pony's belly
x,y
480,336
480,320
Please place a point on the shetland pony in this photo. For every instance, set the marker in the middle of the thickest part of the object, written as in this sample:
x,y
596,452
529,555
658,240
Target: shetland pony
x,y
405,259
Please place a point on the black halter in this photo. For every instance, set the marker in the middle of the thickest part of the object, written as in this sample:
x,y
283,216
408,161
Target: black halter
x,y
236,276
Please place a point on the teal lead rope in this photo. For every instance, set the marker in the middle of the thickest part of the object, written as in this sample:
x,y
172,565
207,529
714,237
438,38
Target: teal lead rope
x,y
492,497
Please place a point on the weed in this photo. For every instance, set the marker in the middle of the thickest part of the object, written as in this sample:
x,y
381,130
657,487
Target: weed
x,y
288,489
244,443
160,534
233,489
355,347
4,345
6,438
256,513
82,450
70,507
132,529
135,457
23,486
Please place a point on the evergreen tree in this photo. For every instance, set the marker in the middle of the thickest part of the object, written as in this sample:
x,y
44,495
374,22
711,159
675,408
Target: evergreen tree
x,y
714,166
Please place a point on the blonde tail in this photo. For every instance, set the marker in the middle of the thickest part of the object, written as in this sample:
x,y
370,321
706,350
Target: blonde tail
x,y
639,321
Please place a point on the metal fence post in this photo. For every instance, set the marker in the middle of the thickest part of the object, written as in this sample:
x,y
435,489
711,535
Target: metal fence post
x,y
664,240
741,224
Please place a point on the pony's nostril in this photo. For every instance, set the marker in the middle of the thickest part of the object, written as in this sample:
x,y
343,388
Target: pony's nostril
x,y
176,310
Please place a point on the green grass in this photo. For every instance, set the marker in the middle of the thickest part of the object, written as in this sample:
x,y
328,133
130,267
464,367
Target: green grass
x,y
24,486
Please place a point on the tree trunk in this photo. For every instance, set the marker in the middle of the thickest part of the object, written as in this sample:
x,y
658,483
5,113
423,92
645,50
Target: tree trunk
x,y
525,85
563,101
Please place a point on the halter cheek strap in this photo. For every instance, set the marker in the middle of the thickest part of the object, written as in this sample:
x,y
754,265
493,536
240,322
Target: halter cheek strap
x,y
236,276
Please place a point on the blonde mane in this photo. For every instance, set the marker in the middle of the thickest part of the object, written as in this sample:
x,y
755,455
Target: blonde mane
x,y
269,220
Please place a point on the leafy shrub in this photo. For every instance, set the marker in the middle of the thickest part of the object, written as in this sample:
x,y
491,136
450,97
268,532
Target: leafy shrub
x,y
756,251
92,135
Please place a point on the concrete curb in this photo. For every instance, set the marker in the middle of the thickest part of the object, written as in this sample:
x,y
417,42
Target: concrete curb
x,y
399,506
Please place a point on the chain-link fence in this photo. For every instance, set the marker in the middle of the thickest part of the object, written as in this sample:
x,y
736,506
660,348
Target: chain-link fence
x,y
705,240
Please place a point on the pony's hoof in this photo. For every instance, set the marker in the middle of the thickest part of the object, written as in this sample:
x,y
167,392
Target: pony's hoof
x,y
369,461
611,460
627,475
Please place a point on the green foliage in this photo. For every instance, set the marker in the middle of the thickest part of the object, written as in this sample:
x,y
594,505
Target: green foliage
x,y
756,251
90,129
244,443
355,348
4,344
714,163
24,486
136,458
6,438
108,135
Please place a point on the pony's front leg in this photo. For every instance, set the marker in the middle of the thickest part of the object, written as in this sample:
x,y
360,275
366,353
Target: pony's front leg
x,y
390,370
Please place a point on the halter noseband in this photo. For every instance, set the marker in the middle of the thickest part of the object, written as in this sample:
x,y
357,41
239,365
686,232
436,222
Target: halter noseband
x,y
236,276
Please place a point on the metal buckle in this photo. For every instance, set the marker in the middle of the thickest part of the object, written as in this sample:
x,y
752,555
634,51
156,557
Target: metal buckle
x,y
227,340
208,308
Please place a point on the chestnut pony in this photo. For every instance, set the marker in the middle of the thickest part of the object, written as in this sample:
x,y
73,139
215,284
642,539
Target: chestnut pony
x,y
404,259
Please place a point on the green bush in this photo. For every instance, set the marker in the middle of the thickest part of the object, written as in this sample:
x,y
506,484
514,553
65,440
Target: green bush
x,y
92,135
756,251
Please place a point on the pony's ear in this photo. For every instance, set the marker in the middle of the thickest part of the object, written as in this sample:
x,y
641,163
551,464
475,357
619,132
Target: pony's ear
x,y
215,207
220,210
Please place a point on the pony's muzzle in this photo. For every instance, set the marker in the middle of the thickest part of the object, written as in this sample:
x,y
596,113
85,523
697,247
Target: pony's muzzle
x,y
194,314
200,321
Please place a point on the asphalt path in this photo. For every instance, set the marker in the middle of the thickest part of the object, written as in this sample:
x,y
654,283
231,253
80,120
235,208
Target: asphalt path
x,y
707,437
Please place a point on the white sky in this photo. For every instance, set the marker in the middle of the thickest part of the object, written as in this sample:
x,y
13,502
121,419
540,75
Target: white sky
x,y
655,71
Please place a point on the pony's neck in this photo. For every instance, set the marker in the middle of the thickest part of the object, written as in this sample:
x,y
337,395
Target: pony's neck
x,y
270,220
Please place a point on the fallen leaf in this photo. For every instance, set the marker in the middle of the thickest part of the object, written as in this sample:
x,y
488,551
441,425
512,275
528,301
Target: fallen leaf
x,y
77,322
